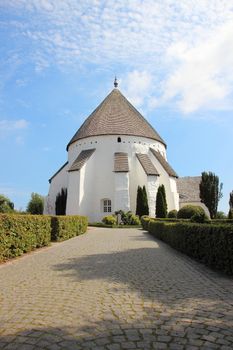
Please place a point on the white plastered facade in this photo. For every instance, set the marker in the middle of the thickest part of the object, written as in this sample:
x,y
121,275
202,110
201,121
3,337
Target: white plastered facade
x,y
96,181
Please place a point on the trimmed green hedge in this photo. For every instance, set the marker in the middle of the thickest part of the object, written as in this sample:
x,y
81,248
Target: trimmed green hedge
x,y
22,233
145,222
208,243
222,221
187,211
65,227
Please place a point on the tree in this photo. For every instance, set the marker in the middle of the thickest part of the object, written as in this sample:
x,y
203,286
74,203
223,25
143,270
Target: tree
x,y
6,206
142,202
164,198
161,203
60,204
230,215
145,208
139,201
36,204
210,192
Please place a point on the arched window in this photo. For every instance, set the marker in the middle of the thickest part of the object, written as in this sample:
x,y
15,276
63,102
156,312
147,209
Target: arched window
x,y
119,139
107,205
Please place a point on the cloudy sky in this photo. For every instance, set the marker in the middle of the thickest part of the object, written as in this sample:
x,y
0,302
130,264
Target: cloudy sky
x,y
58,60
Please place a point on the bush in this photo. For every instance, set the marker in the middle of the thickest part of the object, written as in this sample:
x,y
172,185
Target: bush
x,y
172,214
128,218
65,227
222,221
200,217
134,220
36,204
22,233
230,214
208,243
109,220
6,206
60,203
188,211
142,207
161,203
220,215
145,222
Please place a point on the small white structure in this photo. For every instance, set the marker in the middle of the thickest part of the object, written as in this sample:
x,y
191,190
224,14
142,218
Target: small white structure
x,y
113,152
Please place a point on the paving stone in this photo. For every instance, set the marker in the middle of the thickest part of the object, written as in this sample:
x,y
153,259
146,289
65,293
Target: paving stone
x,y
113,289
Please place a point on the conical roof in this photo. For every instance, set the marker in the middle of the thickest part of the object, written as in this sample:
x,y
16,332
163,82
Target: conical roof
x,y
115,116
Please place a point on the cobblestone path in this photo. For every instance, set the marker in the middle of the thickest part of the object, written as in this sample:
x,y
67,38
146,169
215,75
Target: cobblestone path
x,y
113,289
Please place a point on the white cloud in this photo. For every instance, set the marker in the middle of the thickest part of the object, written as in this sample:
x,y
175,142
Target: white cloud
x,y
138,86
189,42
203,77
9,126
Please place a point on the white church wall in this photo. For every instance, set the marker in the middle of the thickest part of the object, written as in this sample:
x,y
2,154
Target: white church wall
x,y
102,184
72,205
137,177
97,181
121,200
152,188
57,183
169,184
175,195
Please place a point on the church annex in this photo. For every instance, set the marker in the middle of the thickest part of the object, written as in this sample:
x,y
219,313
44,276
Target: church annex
x,y
113,152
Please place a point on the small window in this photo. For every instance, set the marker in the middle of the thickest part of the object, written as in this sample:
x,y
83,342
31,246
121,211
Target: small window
x,y
119,139
107,206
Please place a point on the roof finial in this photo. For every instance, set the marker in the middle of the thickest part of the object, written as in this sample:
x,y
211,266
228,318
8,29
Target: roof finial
x,y
115,82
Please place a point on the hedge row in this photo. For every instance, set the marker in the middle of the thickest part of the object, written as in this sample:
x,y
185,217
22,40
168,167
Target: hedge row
x,y
208,243
146,219
65,227
22,233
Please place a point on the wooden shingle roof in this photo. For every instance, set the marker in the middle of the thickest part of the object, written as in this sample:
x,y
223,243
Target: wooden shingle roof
x,y
164,163
81,159
188,188
147,164
115,116
121,163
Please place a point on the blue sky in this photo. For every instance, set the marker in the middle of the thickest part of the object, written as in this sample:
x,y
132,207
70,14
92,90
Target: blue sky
x,y
58,59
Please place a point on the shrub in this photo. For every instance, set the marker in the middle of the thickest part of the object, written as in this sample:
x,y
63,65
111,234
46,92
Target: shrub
x,y
172,214
220,215
22,233
134,220
222,221
128,218
109,220
6,206
145,222
60,203
142,207
65,227
208,243
161,203
36,204
145,207
230,214
200,217
188,211
139,201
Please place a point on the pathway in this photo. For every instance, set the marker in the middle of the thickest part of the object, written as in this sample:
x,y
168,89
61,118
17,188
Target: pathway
x,y
113,289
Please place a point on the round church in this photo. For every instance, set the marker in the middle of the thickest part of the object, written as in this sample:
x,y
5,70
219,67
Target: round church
x,y
113,152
